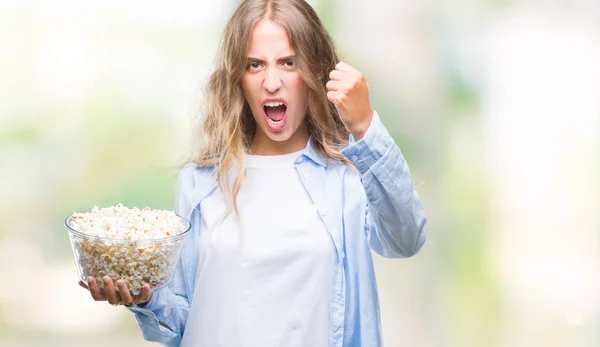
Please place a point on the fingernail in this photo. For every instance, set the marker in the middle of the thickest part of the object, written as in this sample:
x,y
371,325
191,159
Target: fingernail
x,y
90,278
120,283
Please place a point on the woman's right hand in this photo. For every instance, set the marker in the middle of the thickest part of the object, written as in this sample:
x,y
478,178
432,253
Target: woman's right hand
x,y
114,297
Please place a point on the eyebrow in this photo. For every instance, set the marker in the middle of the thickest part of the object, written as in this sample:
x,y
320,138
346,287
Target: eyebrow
x,y
280,60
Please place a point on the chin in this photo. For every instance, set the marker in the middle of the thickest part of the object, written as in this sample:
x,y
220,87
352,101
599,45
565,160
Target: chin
x,y
280,136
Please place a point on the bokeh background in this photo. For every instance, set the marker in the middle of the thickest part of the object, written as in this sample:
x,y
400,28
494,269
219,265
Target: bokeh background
x,y
495,104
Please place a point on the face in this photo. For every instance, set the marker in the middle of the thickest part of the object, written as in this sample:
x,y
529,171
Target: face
x,y
275,91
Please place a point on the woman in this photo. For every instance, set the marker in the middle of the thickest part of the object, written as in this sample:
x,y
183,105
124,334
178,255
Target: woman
x,y
296,181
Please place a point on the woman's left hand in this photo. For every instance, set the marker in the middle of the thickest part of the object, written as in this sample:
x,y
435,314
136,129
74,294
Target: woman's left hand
x,y
348,90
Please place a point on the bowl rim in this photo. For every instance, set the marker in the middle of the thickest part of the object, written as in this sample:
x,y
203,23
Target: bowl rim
x,y
126,241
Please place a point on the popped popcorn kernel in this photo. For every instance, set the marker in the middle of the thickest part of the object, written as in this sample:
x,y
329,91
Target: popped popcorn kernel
x,y
127,249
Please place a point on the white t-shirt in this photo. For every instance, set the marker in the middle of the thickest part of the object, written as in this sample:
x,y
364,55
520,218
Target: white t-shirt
x,y
272,287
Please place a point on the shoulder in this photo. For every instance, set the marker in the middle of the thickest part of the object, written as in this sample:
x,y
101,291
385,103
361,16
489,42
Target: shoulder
x,y
193,180
192,171
194,176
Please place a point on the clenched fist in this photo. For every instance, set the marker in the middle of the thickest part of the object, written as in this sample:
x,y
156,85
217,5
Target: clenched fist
x,y
348,90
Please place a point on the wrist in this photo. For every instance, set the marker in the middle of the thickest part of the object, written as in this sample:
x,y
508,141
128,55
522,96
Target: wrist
x,y
359,130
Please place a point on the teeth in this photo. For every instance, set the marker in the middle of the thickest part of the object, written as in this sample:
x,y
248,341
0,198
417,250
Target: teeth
x,y
274,104
274,122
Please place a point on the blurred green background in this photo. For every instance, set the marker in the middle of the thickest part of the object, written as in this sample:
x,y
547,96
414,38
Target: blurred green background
x,y
495,104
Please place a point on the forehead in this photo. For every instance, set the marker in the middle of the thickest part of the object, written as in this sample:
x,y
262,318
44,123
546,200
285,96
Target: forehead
x,y
269,38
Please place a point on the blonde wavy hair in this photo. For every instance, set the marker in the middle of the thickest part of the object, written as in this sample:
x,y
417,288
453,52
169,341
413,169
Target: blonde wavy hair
x,y
228,126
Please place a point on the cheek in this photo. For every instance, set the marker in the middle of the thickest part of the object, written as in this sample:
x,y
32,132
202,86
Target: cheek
x,y
251,95
300,91
248,87
298,82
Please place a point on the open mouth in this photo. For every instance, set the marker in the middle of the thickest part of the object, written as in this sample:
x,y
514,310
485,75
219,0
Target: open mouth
x,y
275,113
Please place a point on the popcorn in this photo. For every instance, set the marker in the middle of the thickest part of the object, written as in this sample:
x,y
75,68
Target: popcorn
x,y
119,222
140,246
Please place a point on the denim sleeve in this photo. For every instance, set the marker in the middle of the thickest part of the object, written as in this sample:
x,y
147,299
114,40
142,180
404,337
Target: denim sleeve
x,y
396,224
163,318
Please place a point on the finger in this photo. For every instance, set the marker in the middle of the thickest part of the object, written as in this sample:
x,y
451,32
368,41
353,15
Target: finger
x,y
335,97
337,75
126,298
97,294
111,292
347,68
335,86
83,285
144,296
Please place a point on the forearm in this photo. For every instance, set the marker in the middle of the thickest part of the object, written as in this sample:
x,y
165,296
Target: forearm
x,y
396,217
396,213
163,318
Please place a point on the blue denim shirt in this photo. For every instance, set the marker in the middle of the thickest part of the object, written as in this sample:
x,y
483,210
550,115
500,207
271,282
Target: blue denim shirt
x,y
372,205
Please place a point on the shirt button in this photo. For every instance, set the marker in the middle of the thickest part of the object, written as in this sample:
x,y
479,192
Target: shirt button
x,y
324,213
306,176
299,160
342,254
354,158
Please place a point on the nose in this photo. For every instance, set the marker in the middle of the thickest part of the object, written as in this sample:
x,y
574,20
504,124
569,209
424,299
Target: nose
x,y
272,80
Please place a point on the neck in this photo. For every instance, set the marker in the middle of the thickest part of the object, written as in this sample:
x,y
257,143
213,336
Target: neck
x,y
263,145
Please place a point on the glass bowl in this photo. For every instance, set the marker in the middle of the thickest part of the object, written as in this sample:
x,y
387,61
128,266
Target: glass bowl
x,y
137,262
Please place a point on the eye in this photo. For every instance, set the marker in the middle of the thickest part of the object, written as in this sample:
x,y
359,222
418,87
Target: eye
x,y
289,63
253,66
